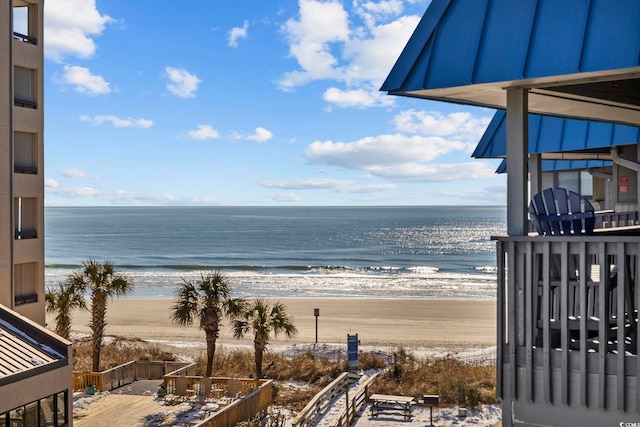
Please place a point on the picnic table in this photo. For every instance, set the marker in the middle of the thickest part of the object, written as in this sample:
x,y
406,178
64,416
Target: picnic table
x,y
387,402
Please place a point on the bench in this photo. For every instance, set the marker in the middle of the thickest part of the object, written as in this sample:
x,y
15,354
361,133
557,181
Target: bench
x,y
386,402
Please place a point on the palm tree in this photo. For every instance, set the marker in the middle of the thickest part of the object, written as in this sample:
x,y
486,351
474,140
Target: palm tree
x,y
63,301
207,300
263,318
103,283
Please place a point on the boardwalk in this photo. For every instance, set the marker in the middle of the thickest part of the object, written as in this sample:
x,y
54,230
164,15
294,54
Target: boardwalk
x,y
134,405
122,410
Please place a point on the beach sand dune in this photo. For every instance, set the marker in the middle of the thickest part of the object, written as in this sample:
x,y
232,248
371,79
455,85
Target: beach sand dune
x,y
378,322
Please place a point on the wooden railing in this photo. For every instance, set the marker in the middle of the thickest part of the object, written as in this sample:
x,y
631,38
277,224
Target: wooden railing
x,y
321,401
127,373
255,396
608,219
219,384
568,320
255,401
355,401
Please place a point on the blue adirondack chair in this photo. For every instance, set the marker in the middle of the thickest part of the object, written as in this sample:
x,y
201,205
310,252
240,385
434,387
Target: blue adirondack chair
x,y
560,212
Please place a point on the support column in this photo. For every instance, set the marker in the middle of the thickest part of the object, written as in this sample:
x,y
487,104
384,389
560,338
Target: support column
x,y
535,173
517,156
637,184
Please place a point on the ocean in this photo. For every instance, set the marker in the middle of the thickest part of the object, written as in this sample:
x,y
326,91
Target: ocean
x,y
349,252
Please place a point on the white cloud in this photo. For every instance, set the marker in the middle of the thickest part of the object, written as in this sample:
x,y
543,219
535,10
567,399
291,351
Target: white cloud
x,y
203,132
51,183
285,197
328,44
336,185
117,121
261,135
85,82
310,38
434,172
181,82
417,158
380,150
123,197
238,33
381,8
371,56
462,126
73,173
359,98
69,26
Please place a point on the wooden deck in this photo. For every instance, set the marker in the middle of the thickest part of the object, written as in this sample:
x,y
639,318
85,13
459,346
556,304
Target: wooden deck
x,y
124,410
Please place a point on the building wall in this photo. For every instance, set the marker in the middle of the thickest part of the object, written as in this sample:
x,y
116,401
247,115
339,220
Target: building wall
x,y
31,389
6,129
18,53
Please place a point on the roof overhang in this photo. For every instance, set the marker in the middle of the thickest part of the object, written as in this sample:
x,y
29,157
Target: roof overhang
x,y
604,96
575,59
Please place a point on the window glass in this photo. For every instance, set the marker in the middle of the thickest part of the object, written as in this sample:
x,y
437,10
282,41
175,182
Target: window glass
x,y
16,417
31,415
24,86
61,408
586,184
47,414
21,20
25,153
3,419
569,181
25,282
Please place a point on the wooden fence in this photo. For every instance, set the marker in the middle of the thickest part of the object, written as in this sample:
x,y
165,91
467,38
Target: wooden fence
x,y
127,373
254,402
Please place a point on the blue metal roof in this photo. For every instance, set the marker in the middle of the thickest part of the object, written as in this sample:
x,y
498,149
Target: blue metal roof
x,y
468,51
555,134
562,165
464,42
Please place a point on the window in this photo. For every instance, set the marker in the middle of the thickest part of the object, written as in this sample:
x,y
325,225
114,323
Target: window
x,y
25,283
22,18
61,409
31,414
580,182
26,217
25,154
46,412
586,184
24,87
569,181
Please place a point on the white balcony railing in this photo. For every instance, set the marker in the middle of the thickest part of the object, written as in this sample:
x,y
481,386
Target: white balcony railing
x,y
568,320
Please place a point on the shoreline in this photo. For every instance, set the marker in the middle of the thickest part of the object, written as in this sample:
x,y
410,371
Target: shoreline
x,y
401,322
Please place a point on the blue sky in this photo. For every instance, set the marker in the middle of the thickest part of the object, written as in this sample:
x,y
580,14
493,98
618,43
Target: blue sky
x,y
247,103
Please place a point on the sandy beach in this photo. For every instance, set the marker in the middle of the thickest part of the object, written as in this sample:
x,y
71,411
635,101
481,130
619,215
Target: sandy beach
x,y
378,322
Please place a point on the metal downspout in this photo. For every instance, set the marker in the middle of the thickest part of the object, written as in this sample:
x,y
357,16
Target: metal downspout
x,y
623,162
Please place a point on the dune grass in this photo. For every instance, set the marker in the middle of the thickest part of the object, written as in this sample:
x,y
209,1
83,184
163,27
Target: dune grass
x,y
298,378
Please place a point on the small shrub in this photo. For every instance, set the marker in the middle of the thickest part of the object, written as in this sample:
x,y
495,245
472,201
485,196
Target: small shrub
x,y
458,391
